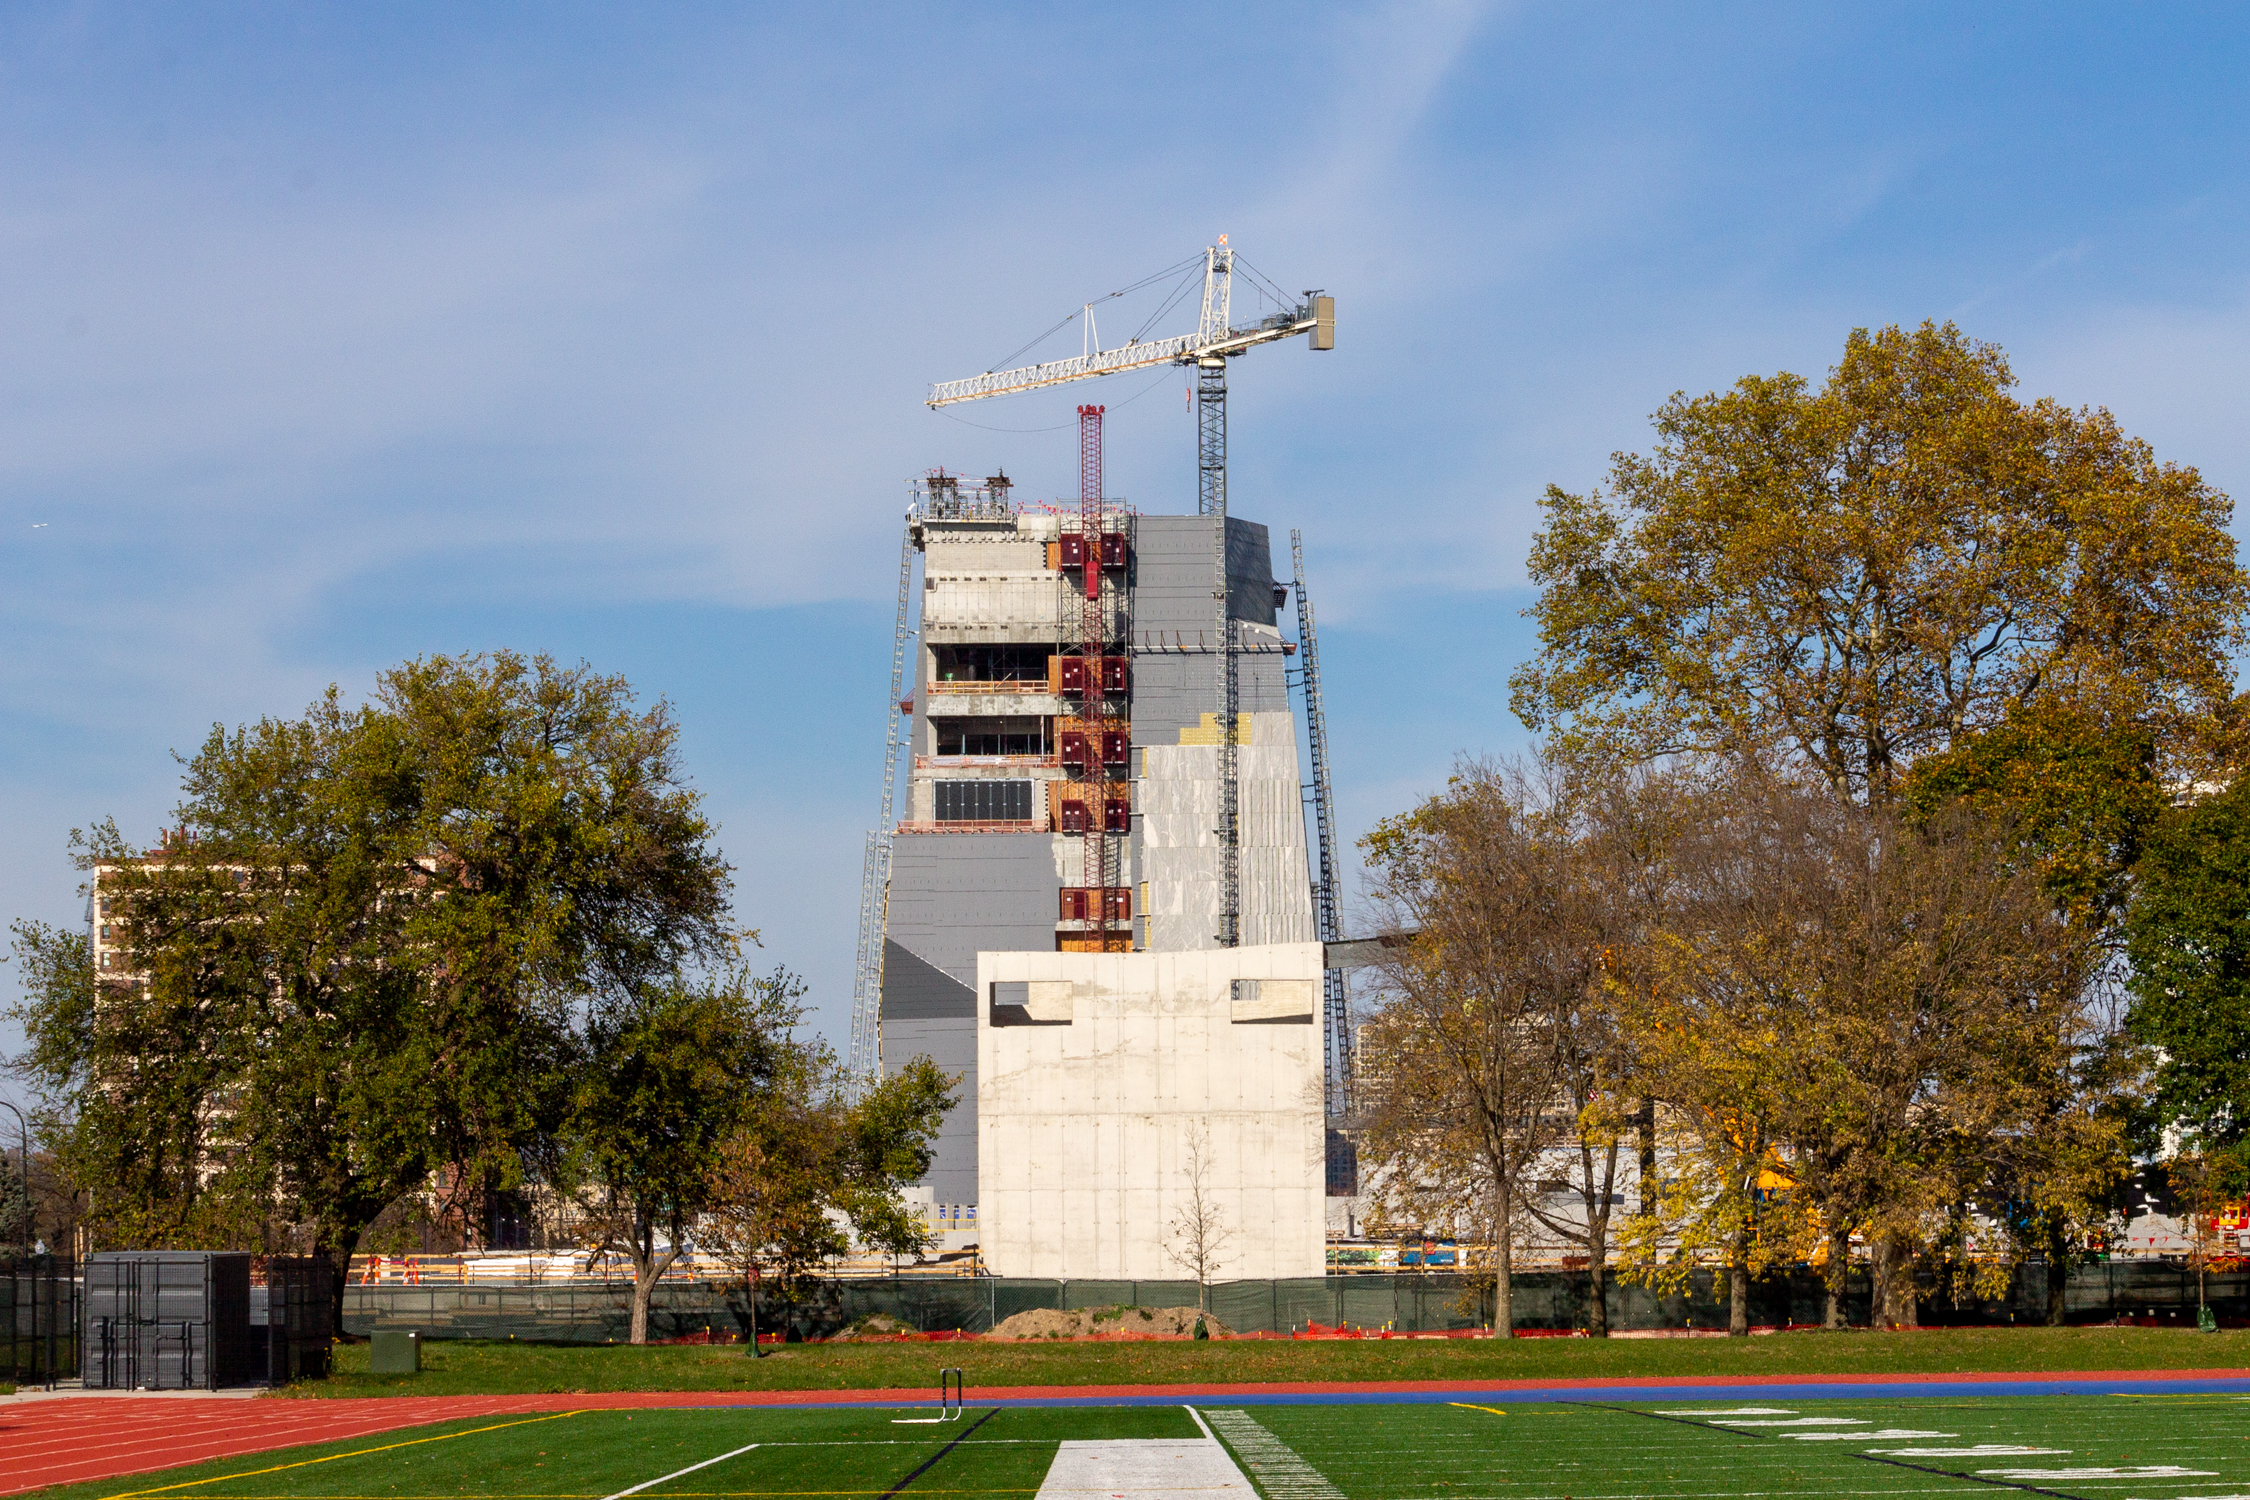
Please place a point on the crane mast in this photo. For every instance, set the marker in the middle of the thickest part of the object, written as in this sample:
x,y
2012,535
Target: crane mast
x,y
1207,350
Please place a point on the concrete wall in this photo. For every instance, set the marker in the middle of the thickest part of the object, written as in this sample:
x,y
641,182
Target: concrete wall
x,y
1086,1110
1178,799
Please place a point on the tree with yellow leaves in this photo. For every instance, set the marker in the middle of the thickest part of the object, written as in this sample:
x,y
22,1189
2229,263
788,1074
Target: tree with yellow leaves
x,y
1857,576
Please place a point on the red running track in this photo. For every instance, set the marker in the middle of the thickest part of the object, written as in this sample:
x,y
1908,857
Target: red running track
x,y
77,1439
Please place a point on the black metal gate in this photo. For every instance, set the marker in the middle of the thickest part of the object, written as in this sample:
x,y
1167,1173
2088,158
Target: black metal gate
x,y
168,1320
39,1304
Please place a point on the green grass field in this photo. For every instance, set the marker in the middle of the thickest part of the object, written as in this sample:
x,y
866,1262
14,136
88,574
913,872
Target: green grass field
x,y
2158,1448
468,1368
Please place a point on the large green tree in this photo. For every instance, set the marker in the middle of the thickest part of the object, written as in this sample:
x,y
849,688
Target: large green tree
x,y
1860,574
356,966
2188,936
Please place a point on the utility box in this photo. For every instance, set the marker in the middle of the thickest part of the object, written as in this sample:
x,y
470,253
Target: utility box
x,y
168,1320
394,1351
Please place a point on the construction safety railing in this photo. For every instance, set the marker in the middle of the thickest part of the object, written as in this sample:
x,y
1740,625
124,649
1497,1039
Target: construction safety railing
x,y
1002,762
1030,686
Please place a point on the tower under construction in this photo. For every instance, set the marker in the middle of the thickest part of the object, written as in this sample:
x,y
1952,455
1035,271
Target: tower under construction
x,y
1093,708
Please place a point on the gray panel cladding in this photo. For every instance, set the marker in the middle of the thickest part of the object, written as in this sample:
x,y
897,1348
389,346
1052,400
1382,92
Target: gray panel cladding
x,y
1174,692
1172,575
952,1045
954,895
914,990
1175,673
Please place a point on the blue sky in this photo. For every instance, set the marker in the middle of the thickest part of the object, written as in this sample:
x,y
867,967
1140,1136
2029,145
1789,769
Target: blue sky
x,y
337,335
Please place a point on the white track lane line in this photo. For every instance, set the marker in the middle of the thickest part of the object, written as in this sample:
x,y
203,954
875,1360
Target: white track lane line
x,y
676,1473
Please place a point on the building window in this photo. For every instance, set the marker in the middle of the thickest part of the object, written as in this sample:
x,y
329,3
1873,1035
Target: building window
x,y
1024,736
983,801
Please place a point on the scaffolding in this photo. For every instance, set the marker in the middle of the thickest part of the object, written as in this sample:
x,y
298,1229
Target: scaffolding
x,y
875,863
1335,1011
1102,544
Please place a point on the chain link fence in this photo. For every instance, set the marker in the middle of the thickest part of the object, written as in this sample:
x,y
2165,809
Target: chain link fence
x,y
1426,1302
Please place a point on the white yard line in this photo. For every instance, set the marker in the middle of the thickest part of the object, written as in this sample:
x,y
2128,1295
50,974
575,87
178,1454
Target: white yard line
x,y
1206,1426
1280,1471
690,1469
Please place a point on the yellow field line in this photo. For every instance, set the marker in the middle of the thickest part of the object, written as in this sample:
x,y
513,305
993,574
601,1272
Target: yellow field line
x,y
1472,1406
305,1463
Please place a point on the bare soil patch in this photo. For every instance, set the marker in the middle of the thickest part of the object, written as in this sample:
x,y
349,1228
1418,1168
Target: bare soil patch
x,y
1107,1323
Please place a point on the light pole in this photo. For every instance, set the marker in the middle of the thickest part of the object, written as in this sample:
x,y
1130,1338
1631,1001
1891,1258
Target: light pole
x,y
30,1224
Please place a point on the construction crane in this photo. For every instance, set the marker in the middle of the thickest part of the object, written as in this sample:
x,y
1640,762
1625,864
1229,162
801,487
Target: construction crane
x,y
1214,342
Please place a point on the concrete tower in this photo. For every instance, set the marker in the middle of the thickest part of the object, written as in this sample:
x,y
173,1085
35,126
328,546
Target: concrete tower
x,y
991,855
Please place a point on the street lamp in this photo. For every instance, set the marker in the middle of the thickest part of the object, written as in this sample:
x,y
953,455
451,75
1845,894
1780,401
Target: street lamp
x,y
30,1224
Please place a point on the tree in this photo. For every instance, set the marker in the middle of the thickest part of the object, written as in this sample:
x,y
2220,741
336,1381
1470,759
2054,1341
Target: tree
x,y
667,1076
16,1227
1615,834
2188,942
1486,951
566,865
357,966
809,1161
141,1066
1863,1020
2077,798
1719,1003
1860,576
1199,1227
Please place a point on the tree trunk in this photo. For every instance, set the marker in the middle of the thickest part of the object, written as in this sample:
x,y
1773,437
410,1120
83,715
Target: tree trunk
x,y
1647,1122
339,1257
1503,1305
1836,1282
647,1267
1894,1284
1597,1275
1738,1286
644,1282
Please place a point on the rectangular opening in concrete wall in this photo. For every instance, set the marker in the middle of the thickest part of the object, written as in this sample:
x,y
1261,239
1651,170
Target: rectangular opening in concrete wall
x,y
1035,1002
982,801
1273,1000
1014,735
994,663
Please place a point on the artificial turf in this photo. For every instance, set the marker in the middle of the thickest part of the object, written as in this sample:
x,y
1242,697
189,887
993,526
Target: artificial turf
x,y
473,1368
2077,1447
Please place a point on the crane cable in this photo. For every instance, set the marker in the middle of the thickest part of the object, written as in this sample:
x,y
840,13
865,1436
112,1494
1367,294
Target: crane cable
x,y
1173,270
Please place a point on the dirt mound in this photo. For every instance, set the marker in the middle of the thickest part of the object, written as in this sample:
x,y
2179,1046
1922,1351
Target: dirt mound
x,y
1106,1323
876,1325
